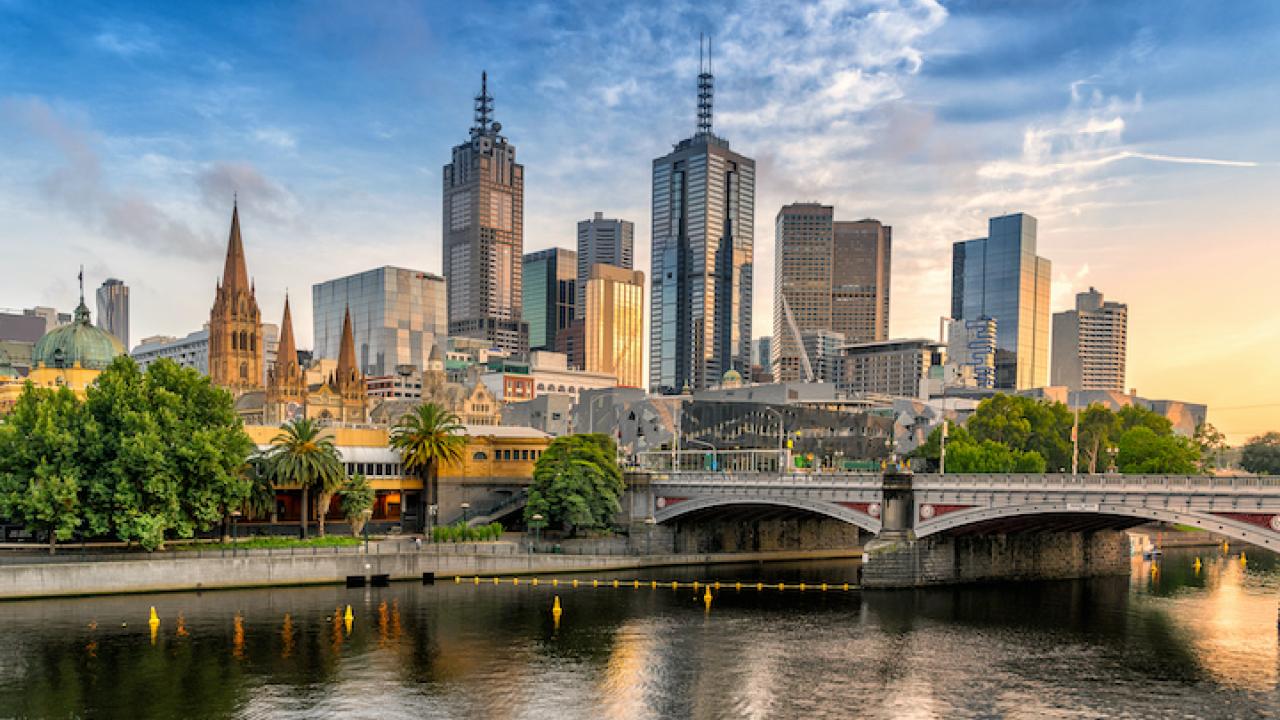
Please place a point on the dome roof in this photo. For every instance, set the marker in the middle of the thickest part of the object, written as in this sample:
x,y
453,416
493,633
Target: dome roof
x,y
77,342
732,376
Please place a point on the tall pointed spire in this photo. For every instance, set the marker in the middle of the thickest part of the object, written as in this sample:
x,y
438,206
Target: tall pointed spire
x,y
347,350
706,87
287,350
235,276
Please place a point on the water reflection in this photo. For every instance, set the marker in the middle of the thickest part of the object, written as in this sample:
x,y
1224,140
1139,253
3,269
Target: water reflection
x,y
1180,641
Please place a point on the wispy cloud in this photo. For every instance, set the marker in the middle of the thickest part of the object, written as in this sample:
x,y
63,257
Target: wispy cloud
x,y
278,137
126,39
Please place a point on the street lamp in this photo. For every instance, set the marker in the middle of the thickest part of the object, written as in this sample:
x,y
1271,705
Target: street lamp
x,y
465,507
1112,452
709,446
537,528
235,515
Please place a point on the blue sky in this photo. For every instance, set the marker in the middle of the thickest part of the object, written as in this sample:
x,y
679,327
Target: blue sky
x,y
1143,135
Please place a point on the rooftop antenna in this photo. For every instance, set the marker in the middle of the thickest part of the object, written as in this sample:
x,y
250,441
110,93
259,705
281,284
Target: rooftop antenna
x,y
706,87
484,106
81,278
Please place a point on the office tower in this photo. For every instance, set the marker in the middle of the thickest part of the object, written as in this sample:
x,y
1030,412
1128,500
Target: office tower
x,y
398,315
703,232
236,346
602,241
971,348
1090,343
896,368
860,280
829,276
483,216
113,309
613,325
550,277
1001,277
763,355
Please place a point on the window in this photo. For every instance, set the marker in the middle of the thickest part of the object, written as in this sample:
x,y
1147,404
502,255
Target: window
x,y
479,455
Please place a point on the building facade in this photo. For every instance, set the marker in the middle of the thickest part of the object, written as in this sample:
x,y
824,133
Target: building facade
x,y
829,276
971,347
398,317
825,349
613,326
703,240
602,241
549,295
235,324
1090,344
1001,277
483,215
896,368
191,351
113,309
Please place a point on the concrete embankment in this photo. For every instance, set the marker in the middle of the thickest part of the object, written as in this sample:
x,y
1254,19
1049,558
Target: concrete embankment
x,y
178,573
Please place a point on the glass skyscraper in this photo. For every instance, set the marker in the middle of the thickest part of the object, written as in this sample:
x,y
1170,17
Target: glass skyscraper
x,y
703,233
602,241
113,309
1001,277
397,317
550,277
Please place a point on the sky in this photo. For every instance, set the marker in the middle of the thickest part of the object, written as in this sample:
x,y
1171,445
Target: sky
x,y
1144,136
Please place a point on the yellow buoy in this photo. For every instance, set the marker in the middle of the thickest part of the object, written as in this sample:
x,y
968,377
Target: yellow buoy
x,y
348,615
675,585
695,586
1197,566
575,583
535,581
615,583
556,607
717,584
824,587
1243,560
555,582
457,579
706,599
759,586
737,586
801,587
476,579
782,586
637,584
654,585
155,619
497,581
515,581
846,586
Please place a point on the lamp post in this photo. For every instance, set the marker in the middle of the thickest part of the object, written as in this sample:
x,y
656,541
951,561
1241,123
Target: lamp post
x,y
235,515
537,528
1112,452
714,465
465,507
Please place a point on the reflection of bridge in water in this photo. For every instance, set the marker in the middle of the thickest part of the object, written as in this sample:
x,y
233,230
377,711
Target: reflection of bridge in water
x,y
978,518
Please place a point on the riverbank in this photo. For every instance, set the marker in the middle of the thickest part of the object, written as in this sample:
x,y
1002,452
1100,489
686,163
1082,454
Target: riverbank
x,y
179,572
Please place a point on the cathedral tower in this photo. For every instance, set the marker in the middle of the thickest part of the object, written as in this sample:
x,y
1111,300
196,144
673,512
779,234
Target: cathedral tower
x,y
286,384
235,324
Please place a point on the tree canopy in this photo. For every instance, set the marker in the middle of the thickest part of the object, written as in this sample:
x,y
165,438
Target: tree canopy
x,y
144,457
428,437
304,455
577,484
1261,454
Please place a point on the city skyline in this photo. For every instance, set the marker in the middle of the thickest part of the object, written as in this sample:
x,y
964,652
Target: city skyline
x,y
1094,130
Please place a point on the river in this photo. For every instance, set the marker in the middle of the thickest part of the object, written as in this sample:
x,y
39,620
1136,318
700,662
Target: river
x,y
1179,642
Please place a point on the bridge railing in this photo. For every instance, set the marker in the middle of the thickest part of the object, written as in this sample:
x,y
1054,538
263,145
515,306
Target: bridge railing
x,y
1111,481
703,477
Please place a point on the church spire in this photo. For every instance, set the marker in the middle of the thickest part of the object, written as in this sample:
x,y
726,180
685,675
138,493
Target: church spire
x,y
347,350
287,350
235,276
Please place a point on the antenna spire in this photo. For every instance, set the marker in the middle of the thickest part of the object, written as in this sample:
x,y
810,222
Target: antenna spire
x,y
484,106
81,278
706,87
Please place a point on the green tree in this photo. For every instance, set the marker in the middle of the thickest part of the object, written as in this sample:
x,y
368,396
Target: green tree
x,y
355,497
1099,428
1132,416
303,455
1025,425
1143,450
577,483
1212,444
162,454
40,469
428,437
260,503
1261,454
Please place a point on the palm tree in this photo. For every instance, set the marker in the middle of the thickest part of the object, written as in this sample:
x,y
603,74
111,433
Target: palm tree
x,y
426,438
304,456
261,503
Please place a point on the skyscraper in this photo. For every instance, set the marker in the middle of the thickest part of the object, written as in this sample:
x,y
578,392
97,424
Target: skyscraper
x,y
613,324
397,315
483,215
236,346
550,277
1090,344
1001,277
703,233
605,241
830,276
113,309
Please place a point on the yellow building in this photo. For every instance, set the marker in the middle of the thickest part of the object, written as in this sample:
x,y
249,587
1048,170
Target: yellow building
x,y
613,324
497,466
71,355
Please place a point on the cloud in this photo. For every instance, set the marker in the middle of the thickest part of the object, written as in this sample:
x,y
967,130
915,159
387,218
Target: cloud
x,y
282,139
222,182
126,39
78,185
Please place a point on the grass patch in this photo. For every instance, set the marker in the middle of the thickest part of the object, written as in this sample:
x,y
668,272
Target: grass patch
x,y
1188,528
276,543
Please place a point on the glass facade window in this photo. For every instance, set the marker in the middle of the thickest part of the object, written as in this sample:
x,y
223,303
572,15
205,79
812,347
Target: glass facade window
x,y
397,316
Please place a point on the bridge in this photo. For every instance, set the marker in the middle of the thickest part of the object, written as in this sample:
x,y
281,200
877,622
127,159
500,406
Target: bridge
x,y
924,512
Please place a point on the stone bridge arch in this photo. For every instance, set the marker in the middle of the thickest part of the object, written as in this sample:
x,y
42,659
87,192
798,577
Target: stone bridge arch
x,y
832,510
1261,529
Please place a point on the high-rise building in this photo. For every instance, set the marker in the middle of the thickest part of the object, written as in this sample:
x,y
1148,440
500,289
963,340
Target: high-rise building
x,y
602,241
971,347
703,236
113,309
897,368
1090,343
860,279
763,353
824,350
1001,277
235,324
483,215
829,276
398,315
550,277
613,326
